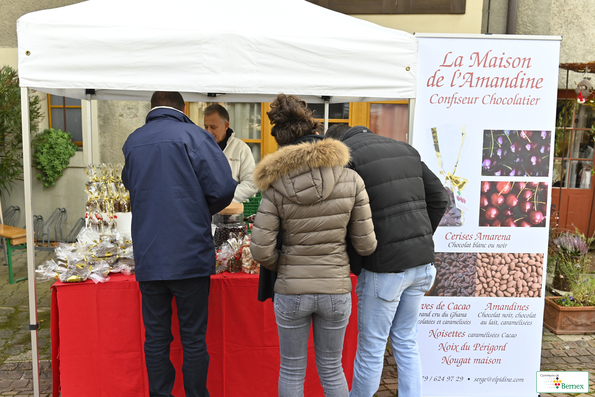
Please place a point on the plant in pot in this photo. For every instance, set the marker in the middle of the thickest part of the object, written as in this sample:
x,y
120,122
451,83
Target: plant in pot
x,y
574,311
570,258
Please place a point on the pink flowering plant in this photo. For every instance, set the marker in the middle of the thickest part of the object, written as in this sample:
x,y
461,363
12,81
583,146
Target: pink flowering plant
x,y
572,244
570,253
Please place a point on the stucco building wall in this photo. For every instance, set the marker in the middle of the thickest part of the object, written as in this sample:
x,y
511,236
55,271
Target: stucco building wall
x,y
534,17
495,16
117,120
570,19
14,9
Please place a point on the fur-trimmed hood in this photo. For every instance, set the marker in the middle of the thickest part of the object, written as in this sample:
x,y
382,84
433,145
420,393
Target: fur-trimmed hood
x,y
305,172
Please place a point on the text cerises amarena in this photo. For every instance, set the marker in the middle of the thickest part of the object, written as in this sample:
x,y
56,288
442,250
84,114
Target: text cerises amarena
x,y
476,236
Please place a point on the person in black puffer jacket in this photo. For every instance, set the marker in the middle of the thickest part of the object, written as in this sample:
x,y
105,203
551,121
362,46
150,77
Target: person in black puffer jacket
x,y
407,202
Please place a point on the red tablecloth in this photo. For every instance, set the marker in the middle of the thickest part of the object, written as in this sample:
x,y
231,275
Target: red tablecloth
x,y
98,335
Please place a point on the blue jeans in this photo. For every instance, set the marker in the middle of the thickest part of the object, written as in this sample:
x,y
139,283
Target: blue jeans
x,y
328,314
192,300
389,305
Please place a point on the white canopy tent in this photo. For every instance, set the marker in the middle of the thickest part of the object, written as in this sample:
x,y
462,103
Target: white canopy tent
x,y
249,51
224,50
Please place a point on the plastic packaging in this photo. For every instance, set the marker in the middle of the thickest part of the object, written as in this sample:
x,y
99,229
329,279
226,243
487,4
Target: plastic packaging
x,y
229,223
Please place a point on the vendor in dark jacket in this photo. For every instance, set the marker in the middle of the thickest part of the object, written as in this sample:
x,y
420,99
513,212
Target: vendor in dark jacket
x,y
178,178
407,202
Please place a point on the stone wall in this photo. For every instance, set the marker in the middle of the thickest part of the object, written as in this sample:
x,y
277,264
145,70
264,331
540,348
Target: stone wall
x,y
14,9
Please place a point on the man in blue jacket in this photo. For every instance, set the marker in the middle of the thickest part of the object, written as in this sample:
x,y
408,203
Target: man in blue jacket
x,y
178,178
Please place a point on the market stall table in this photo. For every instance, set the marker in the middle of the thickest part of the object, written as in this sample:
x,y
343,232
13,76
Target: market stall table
x,y
98,335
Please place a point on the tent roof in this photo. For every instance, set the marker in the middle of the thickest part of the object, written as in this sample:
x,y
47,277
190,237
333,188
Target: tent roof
x,y
245,50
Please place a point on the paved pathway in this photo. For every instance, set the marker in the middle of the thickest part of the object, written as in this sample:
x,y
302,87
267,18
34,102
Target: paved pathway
x,y
559,352
16,378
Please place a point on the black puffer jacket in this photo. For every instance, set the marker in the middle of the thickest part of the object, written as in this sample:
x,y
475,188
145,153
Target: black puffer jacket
x,y
406,198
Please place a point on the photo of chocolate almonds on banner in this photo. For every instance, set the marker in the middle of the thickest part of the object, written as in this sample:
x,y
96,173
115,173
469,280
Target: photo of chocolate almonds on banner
x,y
513,204
515,153
509,275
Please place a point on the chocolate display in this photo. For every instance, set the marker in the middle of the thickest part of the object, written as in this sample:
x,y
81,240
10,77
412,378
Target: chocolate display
x,y
99,249
454,185
230,254
453,216
229,223
249,265
92,257
106,195
105,249
234,256
224,233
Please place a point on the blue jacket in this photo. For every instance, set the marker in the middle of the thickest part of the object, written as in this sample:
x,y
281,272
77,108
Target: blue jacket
x,y
177,177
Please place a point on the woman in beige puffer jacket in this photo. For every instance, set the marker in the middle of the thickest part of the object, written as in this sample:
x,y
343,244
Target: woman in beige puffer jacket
x,y
310,201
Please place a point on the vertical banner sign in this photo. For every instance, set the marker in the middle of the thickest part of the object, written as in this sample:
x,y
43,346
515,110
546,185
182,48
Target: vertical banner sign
x,y
484,123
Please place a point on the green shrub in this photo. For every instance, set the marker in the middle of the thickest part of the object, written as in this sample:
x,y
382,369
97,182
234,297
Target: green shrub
x,y
52,150
11,132
583,293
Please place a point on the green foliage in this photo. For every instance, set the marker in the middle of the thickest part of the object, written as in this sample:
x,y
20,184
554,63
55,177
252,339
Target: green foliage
x,y
583,293
52,150
568,251
11,132
568,301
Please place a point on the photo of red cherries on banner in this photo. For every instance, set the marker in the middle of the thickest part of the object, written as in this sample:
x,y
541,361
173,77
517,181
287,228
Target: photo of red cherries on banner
x,y
515,153
513,204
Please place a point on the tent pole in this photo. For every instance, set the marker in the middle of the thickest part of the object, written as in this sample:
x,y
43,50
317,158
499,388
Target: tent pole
x,y
88,143
411,114
33,325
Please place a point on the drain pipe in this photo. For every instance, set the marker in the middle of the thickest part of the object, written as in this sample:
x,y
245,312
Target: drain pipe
x,y
511,17
488,21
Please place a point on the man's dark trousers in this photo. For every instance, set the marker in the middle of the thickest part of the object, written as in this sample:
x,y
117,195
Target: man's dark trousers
x,y
192,300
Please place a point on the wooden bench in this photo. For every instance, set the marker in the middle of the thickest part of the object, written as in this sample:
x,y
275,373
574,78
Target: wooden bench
x,y
16,238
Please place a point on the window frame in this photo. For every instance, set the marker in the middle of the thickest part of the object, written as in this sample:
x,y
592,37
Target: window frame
x,y
64,107
570,131
393,102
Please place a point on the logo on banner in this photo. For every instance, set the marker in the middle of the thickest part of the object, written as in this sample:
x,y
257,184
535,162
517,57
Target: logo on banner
x,y
562,382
